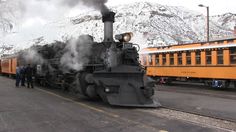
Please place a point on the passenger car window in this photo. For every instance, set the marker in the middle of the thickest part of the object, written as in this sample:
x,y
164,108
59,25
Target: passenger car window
x,y
198,57
208,57
220,57
188,57
232,55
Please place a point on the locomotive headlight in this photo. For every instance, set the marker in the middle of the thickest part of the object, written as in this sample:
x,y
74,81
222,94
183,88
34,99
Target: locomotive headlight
x,y
125,37
107,90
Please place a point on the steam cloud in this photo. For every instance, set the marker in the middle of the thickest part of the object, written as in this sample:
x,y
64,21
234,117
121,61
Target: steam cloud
x,y
77,53
18,9
33,57
112,56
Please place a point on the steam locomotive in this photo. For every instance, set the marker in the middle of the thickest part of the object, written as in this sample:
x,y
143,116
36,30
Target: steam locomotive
x,y
112,71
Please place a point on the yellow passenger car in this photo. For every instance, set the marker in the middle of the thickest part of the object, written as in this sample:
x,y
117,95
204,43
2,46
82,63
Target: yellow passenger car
x,y
213,62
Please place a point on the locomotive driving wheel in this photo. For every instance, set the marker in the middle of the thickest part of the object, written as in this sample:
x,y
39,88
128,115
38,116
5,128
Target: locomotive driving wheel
x,y
85,85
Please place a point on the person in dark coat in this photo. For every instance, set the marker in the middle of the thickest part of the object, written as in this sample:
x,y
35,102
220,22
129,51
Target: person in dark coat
x,y
17,76
22,72
29,76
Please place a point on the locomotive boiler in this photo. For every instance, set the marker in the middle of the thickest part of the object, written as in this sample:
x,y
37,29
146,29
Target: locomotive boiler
x,y
112,71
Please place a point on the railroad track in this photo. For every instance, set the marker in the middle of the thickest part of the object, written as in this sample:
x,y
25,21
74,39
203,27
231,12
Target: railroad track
x,y
198,110
195,118
200,114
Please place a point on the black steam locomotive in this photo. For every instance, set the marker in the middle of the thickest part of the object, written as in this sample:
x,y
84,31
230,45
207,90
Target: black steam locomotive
x,y
111,71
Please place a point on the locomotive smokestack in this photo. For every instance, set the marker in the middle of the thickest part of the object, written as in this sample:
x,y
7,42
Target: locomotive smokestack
x,y
108,19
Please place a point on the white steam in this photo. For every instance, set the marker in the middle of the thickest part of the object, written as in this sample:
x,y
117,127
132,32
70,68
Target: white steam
x,y
31,56
77,53
112,60
96,4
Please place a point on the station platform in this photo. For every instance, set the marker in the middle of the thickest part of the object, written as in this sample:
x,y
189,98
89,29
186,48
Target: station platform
x,y
199,99
40,110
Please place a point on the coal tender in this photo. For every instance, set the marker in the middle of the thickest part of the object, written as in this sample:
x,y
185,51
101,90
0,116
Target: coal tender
x,y
113,72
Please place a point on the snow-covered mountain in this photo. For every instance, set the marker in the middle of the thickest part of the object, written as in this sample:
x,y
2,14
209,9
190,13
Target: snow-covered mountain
x,y
152,24
159,24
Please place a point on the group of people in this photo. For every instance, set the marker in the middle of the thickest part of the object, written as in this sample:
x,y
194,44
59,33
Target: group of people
x,y
24,74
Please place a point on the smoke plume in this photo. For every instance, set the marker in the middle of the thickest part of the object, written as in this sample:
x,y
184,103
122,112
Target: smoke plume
x,y
14,10
77,53
96,4
112,56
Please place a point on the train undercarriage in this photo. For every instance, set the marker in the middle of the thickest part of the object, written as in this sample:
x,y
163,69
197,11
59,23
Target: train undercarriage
x,y
213,83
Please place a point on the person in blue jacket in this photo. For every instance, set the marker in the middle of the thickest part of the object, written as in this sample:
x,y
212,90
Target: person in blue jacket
x,y
18,77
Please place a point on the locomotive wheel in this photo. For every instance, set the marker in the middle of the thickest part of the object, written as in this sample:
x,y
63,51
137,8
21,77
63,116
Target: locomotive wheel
x,y
78,84
81,83
101,93
91,91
